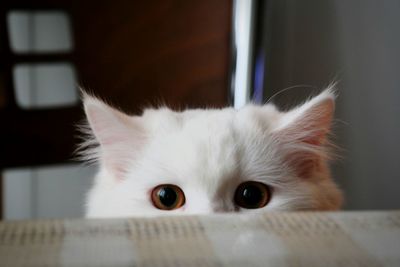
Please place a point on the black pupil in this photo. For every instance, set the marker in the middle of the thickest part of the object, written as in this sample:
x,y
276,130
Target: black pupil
x,y
252,195
167,196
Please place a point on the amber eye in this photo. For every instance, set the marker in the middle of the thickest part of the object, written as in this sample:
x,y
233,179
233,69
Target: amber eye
x,y
167,197
252,195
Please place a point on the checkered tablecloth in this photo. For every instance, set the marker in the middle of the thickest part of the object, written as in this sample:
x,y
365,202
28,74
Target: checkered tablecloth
x,y
266,239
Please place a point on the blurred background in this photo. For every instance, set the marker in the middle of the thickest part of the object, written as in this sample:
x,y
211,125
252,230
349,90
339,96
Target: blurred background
x,y
198,53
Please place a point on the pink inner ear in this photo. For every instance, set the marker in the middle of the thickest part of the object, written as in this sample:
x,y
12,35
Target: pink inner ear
x,y
120,136
302,153
115,151
302,140
303,163
315,140
120,148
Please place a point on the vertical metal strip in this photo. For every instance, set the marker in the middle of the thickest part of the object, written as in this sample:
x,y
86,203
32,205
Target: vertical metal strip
x,y
243,35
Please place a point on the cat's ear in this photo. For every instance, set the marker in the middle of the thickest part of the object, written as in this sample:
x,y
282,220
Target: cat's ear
x,y
303,131
310,122
119,136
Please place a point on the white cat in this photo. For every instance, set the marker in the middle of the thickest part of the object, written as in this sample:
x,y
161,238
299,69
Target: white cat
x,y
213,160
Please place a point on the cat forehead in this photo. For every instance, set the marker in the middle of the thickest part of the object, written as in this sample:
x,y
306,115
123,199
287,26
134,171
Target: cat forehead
x,y
165,119
206,144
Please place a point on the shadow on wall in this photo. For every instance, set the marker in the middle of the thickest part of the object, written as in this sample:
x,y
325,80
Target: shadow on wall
x,y
355,42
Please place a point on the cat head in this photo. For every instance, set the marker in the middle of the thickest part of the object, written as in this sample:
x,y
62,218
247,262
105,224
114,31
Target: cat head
x,y
210,160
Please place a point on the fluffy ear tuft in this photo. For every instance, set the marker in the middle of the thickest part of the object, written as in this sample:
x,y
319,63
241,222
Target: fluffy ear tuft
x,y
118,135
310,122
303,132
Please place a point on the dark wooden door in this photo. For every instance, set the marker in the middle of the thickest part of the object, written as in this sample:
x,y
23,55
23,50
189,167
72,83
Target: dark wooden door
x,y
132,53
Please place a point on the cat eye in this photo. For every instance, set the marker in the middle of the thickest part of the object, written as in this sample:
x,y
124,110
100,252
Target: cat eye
x,y
167,197
252,195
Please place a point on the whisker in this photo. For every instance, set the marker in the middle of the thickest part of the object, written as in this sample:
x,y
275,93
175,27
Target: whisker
x,y
289,88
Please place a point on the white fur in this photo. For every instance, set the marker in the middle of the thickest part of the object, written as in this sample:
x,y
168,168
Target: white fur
x,y
208,153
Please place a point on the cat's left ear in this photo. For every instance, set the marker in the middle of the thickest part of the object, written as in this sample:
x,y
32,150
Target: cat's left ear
x,y
302,133
311,122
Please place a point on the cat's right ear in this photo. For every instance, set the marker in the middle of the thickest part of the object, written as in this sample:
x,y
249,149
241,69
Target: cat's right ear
x,y
119,136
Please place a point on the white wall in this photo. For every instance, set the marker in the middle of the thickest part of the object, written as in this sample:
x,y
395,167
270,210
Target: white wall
x,y
357,42
46,192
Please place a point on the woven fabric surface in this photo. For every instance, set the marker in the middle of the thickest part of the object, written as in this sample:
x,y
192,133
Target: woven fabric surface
x,y
258,239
